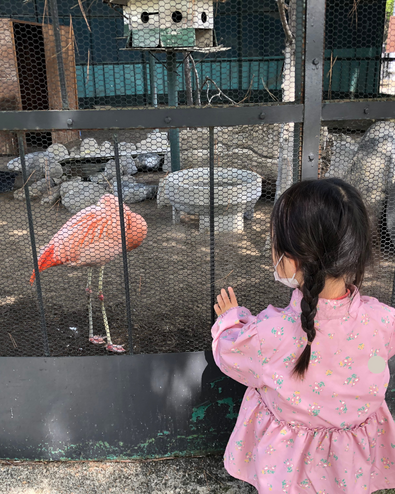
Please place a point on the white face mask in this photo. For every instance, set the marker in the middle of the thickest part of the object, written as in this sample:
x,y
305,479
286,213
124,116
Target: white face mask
x,y
291,282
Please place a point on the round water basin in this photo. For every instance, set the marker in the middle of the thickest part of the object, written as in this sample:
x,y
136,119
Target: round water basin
x,y
235,194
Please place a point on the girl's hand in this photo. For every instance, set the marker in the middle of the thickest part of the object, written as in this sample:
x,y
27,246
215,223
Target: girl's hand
x,y
224,303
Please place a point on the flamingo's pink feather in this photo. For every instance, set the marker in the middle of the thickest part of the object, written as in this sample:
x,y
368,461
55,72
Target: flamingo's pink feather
x,y
92,237
46,260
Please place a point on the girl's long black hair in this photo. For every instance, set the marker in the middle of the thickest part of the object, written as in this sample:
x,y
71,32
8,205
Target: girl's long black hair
x,y
324,226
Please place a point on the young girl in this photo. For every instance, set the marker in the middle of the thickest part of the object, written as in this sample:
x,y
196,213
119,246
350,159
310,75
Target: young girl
x,y
313,418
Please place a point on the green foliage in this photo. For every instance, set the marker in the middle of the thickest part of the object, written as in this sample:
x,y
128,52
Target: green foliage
x,y
389,8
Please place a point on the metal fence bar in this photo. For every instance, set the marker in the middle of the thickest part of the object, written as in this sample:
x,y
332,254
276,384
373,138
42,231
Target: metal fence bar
x,y
191,117
153,80
314,57
174,136
123,238
59,54
212,245
358,110
33,245
152,118
299,35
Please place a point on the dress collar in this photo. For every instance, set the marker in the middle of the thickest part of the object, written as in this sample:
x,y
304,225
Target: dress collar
x,y
330,308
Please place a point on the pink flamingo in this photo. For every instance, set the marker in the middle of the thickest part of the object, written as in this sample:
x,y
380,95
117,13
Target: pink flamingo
x,y
92,237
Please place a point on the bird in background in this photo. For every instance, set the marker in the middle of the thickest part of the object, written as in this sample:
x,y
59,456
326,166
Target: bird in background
x,y
92,238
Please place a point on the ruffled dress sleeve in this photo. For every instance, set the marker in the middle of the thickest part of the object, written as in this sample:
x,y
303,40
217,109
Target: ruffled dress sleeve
x,y
236,346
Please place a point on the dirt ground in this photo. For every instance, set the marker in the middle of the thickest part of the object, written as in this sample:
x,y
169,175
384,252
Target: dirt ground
x,y
205,475
169,282
162,476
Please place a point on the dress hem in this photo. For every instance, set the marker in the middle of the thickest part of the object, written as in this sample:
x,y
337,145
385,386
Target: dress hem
x,y
238,477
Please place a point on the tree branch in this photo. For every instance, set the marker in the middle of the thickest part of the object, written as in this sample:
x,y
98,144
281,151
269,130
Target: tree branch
x,y
188,80
289,38
197,82
219,94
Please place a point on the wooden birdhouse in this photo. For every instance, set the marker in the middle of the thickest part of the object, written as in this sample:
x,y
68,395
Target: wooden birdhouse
x,y
168,24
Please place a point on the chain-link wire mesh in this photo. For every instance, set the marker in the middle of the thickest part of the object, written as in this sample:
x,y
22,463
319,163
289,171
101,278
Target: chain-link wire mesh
x,y
354,37
361,153
206,201
359,46
120,54
142,278
207,227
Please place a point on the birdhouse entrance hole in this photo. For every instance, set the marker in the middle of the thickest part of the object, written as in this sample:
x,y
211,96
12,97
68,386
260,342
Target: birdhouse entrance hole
x,y
176,16
145,16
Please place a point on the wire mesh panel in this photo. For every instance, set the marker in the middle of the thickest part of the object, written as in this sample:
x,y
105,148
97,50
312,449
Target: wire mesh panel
x,y
358,44
354,36
121,54
117,242
197,200
75,284
361,153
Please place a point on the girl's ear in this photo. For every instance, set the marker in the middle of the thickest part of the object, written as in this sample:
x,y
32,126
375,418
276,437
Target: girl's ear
x,y
294,263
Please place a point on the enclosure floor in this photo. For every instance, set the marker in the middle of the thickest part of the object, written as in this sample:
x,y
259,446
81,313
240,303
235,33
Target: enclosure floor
x,y
169,280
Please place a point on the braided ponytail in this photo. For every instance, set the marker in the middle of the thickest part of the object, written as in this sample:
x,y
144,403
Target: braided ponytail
x,y
314,282
324,227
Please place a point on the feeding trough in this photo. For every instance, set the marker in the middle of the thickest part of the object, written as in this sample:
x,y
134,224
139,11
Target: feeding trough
x,y
235,194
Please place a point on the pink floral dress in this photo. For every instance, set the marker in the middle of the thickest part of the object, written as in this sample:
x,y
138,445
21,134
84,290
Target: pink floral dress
x,y
331,432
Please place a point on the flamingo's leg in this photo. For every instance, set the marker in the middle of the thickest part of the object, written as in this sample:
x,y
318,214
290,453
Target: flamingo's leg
x,y
110,347
89,296
97,340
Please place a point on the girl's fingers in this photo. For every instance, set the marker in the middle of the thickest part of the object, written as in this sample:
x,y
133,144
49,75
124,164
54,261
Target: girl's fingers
x,y
224,296
217,310
233,298
224,302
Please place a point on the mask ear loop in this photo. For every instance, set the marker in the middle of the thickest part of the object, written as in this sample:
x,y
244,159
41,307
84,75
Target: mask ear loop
x,y
278,262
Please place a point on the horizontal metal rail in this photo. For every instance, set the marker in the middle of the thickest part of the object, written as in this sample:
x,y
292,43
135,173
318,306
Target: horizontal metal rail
x,y
190,117
150,118
358,110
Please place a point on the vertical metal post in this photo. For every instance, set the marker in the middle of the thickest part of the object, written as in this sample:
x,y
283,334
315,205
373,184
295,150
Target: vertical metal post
x,y
33,244
174,135
59,53
299,40
314,58
123,238
152,80
240,47
145,78
36,11
212,249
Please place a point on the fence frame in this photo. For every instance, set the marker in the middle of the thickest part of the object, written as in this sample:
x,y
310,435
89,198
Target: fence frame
x,y
136,411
